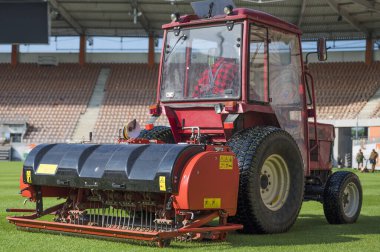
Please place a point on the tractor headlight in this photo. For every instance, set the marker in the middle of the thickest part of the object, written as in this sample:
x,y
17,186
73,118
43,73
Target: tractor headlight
x,y
174,17
228,9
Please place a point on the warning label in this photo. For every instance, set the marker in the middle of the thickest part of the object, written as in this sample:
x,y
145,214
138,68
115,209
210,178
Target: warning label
x,y
162,183
226,162
47,169
211,203
28,177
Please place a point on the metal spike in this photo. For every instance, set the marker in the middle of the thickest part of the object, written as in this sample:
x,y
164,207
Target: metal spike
x,y
125,213
89,211
96,210
108,213
146,217
103,213
97,214
155,224
108,216
92,213
113,215
141,217
150,220
129,216
121,216
134,214
117,217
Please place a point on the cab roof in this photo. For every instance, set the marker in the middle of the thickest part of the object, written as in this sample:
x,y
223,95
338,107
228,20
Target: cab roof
x,y
236,15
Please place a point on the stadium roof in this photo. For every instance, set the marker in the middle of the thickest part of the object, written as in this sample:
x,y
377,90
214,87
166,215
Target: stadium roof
x,y
333,19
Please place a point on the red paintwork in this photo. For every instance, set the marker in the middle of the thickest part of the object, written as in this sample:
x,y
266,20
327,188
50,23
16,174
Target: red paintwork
x,y
205,118
196,227
20,210
228,125
201,113
26,189
238,14
244,67
325,133
29,192
202,178
30,222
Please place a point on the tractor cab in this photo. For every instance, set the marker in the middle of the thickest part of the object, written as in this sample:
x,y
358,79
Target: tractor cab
x,y
225,73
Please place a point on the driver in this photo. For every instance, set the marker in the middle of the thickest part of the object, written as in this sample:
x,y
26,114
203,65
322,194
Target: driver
x,y
217,77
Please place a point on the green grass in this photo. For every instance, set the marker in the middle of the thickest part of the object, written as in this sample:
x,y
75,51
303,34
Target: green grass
x,y
310,233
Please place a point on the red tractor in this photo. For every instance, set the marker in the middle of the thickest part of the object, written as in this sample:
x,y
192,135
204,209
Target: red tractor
x,y
243,144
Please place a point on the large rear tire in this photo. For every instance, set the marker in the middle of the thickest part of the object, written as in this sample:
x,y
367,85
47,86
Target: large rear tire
x,y
161,133
343,197
271,179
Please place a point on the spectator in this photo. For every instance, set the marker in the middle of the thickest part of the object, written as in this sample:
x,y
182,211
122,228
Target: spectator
x,y
360,159
373,159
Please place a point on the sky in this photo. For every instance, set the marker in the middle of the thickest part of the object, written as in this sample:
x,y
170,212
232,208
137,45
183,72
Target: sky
x,y
94,44
140,44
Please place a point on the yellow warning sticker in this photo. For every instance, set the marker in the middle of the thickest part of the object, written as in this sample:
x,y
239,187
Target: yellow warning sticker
x,y
28,176
47,169
162,183
212,202
226,162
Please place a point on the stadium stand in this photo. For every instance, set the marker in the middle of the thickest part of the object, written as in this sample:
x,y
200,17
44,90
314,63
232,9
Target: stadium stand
x,y
130,89
376,114
343,88
50,99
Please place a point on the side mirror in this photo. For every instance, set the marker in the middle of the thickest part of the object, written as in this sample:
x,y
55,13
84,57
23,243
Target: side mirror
x,y
321,49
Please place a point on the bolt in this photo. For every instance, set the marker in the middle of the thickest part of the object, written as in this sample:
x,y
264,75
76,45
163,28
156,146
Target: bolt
x,y
267,189
262,191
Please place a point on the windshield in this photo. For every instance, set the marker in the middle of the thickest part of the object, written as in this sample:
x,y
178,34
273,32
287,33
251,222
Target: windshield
x,y
202,63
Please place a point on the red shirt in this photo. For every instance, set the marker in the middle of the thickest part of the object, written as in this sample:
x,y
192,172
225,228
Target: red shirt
x,y
223,73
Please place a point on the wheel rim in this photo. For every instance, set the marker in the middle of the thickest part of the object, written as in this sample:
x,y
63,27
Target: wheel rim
x,y
350,199
274,182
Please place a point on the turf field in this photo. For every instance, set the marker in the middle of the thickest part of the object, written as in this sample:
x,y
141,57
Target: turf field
x,y
310,233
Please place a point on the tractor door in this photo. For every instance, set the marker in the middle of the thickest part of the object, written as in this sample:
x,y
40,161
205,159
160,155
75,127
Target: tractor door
x,y
286,90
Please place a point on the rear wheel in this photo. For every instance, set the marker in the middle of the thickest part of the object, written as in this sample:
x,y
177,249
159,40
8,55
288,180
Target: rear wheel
x,y
343,198
271,179
161,133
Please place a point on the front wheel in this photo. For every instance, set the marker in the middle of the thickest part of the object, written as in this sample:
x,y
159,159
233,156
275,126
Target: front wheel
x,y
343,197
161,133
